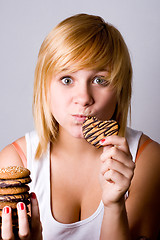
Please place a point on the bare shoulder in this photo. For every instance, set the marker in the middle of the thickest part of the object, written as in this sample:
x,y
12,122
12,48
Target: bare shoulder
x,y
150,152
144,197
148,164
10,157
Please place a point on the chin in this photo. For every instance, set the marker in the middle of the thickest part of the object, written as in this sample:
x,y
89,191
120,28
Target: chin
x,y
77,133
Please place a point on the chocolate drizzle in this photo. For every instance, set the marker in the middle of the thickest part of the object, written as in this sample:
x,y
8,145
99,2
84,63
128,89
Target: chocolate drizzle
x,y
4,183
95,130
14,197
14,189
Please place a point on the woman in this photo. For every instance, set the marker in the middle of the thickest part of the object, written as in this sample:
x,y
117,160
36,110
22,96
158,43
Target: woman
x,y
84,69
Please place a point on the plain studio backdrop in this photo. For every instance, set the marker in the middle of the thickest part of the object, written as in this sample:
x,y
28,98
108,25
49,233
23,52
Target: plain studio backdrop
x,y
24,25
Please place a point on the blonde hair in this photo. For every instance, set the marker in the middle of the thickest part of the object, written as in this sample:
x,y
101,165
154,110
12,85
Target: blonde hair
x,y
80,41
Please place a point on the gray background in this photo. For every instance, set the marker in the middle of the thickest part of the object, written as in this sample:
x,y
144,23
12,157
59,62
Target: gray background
x,y
25,23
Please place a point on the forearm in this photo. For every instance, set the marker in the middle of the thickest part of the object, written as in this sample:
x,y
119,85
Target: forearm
x,y
115,223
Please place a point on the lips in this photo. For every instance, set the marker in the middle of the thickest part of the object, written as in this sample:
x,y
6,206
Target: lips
x,y
79,117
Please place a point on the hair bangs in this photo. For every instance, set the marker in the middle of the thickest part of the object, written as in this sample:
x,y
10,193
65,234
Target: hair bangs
x,y
98,51
81,42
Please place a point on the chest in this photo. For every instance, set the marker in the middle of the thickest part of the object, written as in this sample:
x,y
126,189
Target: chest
x,y
75,191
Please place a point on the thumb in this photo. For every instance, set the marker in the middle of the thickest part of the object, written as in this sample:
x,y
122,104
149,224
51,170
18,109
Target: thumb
x,y
35,214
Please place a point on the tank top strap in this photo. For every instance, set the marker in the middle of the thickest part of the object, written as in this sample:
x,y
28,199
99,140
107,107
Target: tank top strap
x,y
20,153
133,138
142,147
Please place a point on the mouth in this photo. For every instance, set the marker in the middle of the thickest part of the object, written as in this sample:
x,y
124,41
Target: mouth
x,y
79,117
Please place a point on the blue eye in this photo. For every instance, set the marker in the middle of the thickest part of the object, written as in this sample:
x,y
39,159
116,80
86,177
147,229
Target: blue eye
x,y
66,80
100,81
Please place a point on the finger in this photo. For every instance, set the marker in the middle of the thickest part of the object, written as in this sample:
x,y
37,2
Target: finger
x,y
117,166
7,232
118,141
35,220
24,230
118,179
118,155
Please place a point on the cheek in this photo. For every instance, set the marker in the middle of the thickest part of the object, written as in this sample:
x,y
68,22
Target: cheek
x,y
57,101
53,99
111,101
108,106
55,104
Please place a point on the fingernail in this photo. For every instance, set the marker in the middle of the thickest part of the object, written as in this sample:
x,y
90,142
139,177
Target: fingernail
x,y
21,206
102,141
6,210
33,195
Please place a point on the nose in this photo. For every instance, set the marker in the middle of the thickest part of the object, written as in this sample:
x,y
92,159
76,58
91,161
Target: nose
x,y
83,95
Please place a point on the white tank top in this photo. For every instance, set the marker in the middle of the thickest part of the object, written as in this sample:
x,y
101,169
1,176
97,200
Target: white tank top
x,y
88,229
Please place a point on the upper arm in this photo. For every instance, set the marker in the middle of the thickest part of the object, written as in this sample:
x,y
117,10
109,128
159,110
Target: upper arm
x,y
143,203
10,157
